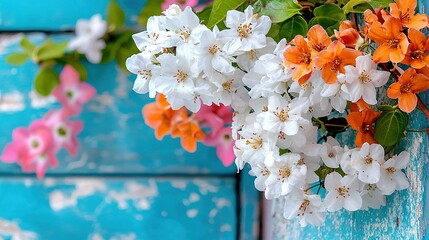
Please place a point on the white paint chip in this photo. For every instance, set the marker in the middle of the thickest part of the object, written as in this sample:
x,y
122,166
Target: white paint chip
x,y
11,230
12,102
38,101
191,213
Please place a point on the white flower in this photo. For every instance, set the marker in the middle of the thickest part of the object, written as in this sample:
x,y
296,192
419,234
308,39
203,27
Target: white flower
x,y
227,86
342,192
392,178
88,38
337,92
155,38
254,143
364,78
176,82
372,197
246,60
146,71
261,172
367,162
211,58
331,152
172,11
312,163
307,208
286,174
283,116
246,31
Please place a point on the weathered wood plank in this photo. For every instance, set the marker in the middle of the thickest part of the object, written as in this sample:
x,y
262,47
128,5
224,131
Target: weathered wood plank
x,y
406,214
118,208
250,208
27,15
115,138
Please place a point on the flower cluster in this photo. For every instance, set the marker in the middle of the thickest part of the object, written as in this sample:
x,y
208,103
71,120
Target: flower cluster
x,y
285,96
34,148
210,125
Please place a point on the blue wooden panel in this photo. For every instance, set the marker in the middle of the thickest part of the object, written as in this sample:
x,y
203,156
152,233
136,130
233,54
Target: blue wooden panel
x,y
250,209
58,15
115,138
117,208
406,214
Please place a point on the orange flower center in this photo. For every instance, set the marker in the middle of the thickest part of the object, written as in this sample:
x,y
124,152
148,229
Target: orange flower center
x,y
336,63
306,58
318,47
418,54
393,43
244,30
405,88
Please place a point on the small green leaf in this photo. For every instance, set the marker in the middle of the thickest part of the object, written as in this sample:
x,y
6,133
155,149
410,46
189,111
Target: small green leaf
x,y
204,14
292,27
124,52
274,32
390,127
27,45
50,50
78,66
115,15
17,59
46,80
278,10
380,3
112,47
152,8
361,8
385,108
329,16
219,10
352,4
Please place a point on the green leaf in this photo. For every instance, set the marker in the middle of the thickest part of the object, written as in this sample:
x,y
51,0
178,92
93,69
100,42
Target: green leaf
x,y
219,10
390,127
274,32
204,14
17,59
46,80
50,50
115,15
361,8
112,47
380,3
385,108
329,16
352,4
278,10
27,45
124,52
292,27
78,66
152,8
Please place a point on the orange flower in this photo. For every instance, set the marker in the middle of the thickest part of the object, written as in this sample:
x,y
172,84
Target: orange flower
x,y
404,10
362,122
377,16
409,84
393,43
348,35
318,38
417,55
359,106
161,117
333,60
299,57
190,133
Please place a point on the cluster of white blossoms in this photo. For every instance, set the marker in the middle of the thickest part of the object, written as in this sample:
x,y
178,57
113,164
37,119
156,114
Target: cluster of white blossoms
x,y
272,125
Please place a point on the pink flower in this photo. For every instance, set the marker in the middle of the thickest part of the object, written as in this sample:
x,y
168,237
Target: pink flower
x,y
64,132
214,116
222,140
72,93
31,148
181,3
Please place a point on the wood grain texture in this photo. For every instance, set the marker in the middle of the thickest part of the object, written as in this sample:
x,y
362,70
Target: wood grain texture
x,y
117,208
52,15
406,215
